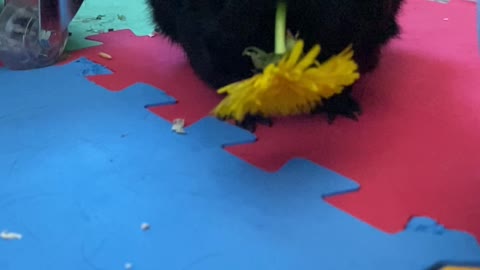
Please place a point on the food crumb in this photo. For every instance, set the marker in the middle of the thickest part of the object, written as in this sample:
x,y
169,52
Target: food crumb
x,y
10,235
145,226
105,55
178,126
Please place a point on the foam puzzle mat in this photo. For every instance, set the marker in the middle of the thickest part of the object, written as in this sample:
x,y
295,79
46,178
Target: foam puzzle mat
x,y
88,155
83,167
96,17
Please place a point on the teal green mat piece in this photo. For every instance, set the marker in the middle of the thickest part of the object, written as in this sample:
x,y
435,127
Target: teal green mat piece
x,y
99,16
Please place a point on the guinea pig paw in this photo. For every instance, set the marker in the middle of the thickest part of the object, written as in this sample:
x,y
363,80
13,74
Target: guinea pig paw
x,y
340,105
250,122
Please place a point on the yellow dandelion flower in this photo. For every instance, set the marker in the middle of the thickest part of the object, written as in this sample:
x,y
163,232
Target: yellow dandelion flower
x,y
291,83
295,85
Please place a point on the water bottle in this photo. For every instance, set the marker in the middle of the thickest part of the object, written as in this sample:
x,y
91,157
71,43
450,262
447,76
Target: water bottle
x,y
34,33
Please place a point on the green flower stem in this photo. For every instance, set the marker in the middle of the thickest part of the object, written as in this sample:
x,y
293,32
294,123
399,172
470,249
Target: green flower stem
x,y
280,27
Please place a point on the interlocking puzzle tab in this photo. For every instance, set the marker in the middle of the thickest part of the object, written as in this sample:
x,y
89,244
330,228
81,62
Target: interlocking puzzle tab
x,y
81,167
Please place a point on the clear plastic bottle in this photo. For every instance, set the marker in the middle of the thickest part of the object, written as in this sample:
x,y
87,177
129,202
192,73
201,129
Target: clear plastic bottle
x,y
24,42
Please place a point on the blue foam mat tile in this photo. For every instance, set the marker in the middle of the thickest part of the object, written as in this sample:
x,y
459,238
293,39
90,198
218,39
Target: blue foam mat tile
x,y
81,168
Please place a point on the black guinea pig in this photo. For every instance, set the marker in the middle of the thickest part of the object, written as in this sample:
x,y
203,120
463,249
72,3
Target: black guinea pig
x,y
214,34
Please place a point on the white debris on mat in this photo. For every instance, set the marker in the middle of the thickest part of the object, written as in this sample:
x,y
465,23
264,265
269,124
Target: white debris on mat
x,y
145,226
178,126
10,235
105,56
128,266
152,34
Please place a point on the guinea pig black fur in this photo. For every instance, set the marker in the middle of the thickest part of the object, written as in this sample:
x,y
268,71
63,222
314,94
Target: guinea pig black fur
x,y
214,33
